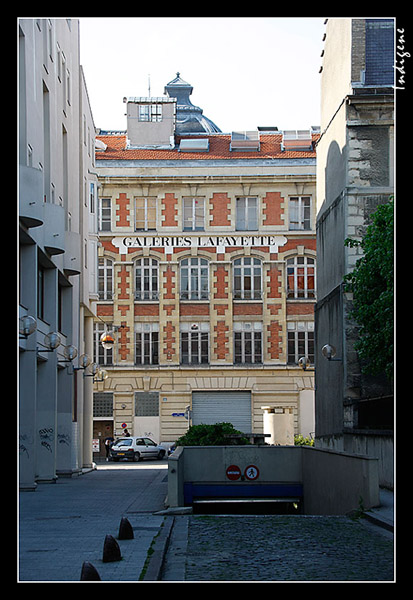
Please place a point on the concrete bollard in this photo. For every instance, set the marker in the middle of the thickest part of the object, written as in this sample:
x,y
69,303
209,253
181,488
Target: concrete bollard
x,y
125,530
111,550
89,573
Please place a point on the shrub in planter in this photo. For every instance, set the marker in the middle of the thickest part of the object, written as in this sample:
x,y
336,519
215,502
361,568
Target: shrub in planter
x,y
300,440
210,435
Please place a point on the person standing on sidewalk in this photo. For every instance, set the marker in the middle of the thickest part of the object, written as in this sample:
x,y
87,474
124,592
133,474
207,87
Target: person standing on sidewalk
x,y
108,443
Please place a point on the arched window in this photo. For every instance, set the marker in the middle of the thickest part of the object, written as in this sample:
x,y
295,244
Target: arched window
x,y
247,278
301,277
146,279
194,279
105,278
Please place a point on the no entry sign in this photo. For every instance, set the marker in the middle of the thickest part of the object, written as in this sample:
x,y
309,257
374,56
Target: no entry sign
x,y
233,472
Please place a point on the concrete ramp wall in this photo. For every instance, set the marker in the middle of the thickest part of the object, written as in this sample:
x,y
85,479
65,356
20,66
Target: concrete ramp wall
x,y
327,482
337,482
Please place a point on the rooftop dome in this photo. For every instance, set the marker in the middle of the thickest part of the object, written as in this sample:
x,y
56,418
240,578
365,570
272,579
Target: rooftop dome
x,y
189,118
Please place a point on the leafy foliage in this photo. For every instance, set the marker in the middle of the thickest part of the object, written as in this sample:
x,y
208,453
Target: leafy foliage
x,y
209,435
371,283
300,440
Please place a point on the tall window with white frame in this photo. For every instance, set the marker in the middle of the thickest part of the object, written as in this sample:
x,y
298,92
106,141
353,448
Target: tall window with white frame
x,y
246,214
301,277
101,355
105,214
145,213
194,343
105,278
247,278
299,212
194,214
194,279
247,342
146,343
300,341
146,279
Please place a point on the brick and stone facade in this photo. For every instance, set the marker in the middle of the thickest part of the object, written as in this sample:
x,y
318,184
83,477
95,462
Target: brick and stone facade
x,y
198,300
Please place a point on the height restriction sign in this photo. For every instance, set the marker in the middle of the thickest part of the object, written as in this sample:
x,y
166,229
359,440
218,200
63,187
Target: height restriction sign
x,y
251,472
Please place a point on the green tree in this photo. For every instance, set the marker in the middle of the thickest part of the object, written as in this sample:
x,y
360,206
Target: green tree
x,y
372,285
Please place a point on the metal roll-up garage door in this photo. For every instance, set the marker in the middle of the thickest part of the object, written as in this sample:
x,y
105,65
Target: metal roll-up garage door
x,y
220,407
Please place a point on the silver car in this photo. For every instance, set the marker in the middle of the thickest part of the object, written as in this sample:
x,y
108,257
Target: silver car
x,y
136,448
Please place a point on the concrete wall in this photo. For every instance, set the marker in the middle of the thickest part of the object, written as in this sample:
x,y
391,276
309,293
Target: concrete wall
x,y
376,444
336,73
355,173
337,483
333,482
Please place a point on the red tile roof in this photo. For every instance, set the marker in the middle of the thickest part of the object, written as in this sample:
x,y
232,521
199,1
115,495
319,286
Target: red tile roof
x,y
219,149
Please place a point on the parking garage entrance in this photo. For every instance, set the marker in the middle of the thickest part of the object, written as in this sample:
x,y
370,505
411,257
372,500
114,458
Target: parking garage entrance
x,y
224,406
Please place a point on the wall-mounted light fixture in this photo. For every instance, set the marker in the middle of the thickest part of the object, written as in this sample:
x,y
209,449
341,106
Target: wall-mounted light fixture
x,y
70,353
94,369
107,340
101,375
52,341
27,326
304,363
329,352
84,362
97,374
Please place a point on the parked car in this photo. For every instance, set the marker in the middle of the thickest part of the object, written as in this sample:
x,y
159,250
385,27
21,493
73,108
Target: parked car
x,y
136,448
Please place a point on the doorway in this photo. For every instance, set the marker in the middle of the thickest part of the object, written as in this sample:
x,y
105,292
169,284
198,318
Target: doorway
x,y
101,430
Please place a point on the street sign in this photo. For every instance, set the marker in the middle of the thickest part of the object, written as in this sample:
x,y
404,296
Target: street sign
x,y
178,414
123,425
251,472
233,472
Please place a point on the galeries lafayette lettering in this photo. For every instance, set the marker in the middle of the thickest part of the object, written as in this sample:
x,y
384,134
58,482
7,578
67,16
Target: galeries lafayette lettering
x,y
218,241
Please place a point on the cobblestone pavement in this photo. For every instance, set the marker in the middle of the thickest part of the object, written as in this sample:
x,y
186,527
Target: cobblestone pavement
x,y
287,548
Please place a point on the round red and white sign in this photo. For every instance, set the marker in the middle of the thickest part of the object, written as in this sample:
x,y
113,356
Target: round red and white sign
x,y
251,472
233,472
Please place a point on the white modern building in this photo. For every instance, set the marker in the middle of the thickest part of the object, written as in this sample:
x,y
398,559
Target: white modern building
x,y
57,191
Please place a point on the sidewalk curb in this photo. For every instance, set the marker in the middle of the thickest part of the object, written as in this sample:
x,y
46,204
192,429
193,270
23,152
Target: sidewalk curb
x,y
160,546
379,522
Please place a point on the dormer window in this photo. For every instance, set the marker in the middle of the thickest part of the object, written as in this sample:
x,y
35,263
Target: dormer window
x,y
299,139
245,141
150,113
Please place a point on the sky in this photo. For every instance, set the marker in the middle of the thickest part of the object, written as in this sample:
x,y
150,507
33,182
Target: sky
x,y
245,71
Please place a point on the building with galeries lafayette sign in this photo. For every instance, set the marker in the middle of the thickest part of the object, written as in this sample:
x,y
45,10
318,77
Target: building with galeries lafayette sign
x,y
205,274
